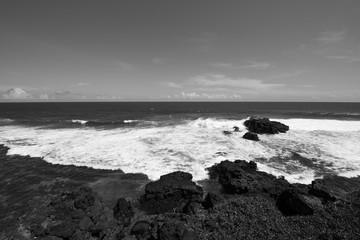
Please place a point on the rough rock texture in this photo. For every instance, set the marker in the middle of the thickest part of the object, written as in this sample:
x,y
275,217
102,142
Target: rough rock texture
x,y
251,136
265,126
171,192
241,177
70,215
123,211
291,203
331,188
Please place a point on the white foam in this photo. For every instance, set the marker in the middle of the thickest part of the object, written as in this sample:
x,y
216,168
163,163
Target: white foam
x,y
79,121
191,147
321,124
130,121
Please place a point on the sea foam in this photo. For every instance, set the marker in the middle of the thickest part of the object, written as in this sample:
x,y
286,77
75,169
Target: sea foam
x,y
310,149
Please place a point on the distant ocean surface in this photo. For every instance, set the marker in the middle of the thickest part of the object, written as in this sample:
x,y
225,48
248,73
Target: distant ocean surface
x,y
156,138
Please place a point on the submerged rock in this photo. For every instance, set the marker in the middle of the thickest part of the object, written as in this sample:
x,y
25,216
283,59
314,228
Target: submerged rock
x,y
265,126
251,136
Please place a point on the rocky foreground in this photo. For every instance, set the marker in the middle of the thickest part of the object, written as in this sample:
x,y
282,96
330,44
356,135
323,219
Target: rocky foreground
x,y
250,205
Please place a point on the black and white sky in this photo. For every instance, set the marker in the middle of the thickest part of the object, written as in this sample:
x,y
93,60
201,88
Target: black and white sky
x,y
167,50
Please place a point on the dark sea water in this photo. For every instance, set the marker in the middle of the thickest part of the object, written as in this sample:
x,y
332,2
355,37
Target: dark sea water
x,y
155,138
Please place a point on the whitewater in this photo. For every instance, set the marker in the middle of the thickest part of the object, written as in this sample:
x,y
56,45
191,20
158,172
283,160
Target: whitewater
x,y
311,148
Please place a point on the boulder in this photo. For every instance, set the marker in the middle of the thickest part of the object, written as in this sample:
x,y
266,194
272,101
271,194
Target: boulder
x,y
291,203
141,230
123,211
251,136
265,126
174,229
241,177
169,192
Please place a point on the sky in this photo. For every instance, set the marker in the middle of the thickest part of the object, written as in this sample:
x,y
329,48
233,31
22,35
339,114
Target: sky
x,y
167,50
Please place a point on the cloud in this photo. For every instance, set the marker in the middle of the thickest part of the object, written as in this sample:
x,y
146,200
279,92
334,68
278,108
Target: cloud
x,y
216,80
249,65
171,84
330,37
289,74
16,94
346,58
159,61
205,96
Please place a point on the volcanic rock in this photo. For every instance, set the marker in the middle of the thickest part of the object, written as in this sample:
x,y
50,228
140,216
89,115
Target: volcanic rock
x,y
290,203
265,126
251,136
242,177
170,192
123,211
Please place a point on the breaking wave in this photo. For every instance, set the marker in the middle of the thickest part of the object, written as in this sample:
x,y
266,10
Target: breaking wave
x,y
310,149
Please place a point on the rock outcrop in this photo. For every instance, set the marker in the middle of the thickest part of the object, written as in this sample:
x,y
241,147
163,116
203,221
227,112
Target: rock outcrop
x,y
251,136
265,126
172,192
242,177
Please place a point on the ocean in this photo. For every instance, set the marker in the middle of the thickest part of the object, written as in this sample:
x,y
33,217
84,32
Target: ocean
x,y
155,138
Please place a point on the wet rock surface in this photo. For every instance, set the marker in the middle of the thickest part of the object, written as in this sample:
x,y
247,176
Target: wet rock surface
x,y
265,126
251,136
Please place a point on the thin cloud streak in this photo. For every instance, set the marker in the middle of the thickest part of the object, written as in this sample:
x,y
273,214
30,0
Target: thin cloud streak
x,y
249,65
215,80
331,37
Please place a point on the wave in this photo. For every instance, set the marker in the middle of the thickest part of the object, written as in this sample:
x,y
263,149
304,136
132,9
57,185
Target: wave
x,y
6,120
102,123
311,149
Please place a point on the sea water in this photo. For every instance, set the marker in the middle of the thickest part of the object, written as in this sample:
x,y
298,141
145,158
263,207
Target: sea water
x,y
159,138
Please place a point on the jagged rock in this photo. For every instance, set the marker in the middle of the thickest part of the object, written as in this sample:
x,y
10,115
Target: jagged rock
x,y
290,203
265,126
251,136
123,211
241,177
84,198
169,192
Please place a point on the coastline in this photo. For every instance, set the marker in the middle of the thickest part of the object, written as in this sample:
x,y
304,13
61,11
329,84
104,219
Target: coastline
x,y
236,193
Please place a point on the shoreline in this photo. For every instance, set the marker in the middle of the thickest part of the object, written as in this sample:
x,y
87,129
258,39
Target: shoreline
x,y
108,186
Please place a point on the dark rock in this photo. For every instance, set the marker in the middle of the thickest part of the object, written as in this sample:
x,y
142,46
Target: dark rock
x,y
174,229
63,230
290,203
141,230
265,126
170,192
85,224
241,177
236,129
251,136
211,199
123,211
227,132
331,188
84,198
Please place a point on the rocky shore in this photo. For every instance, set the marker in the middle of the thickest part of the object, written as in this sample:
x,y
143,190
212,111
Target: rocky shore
x,y
249,205
237,202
